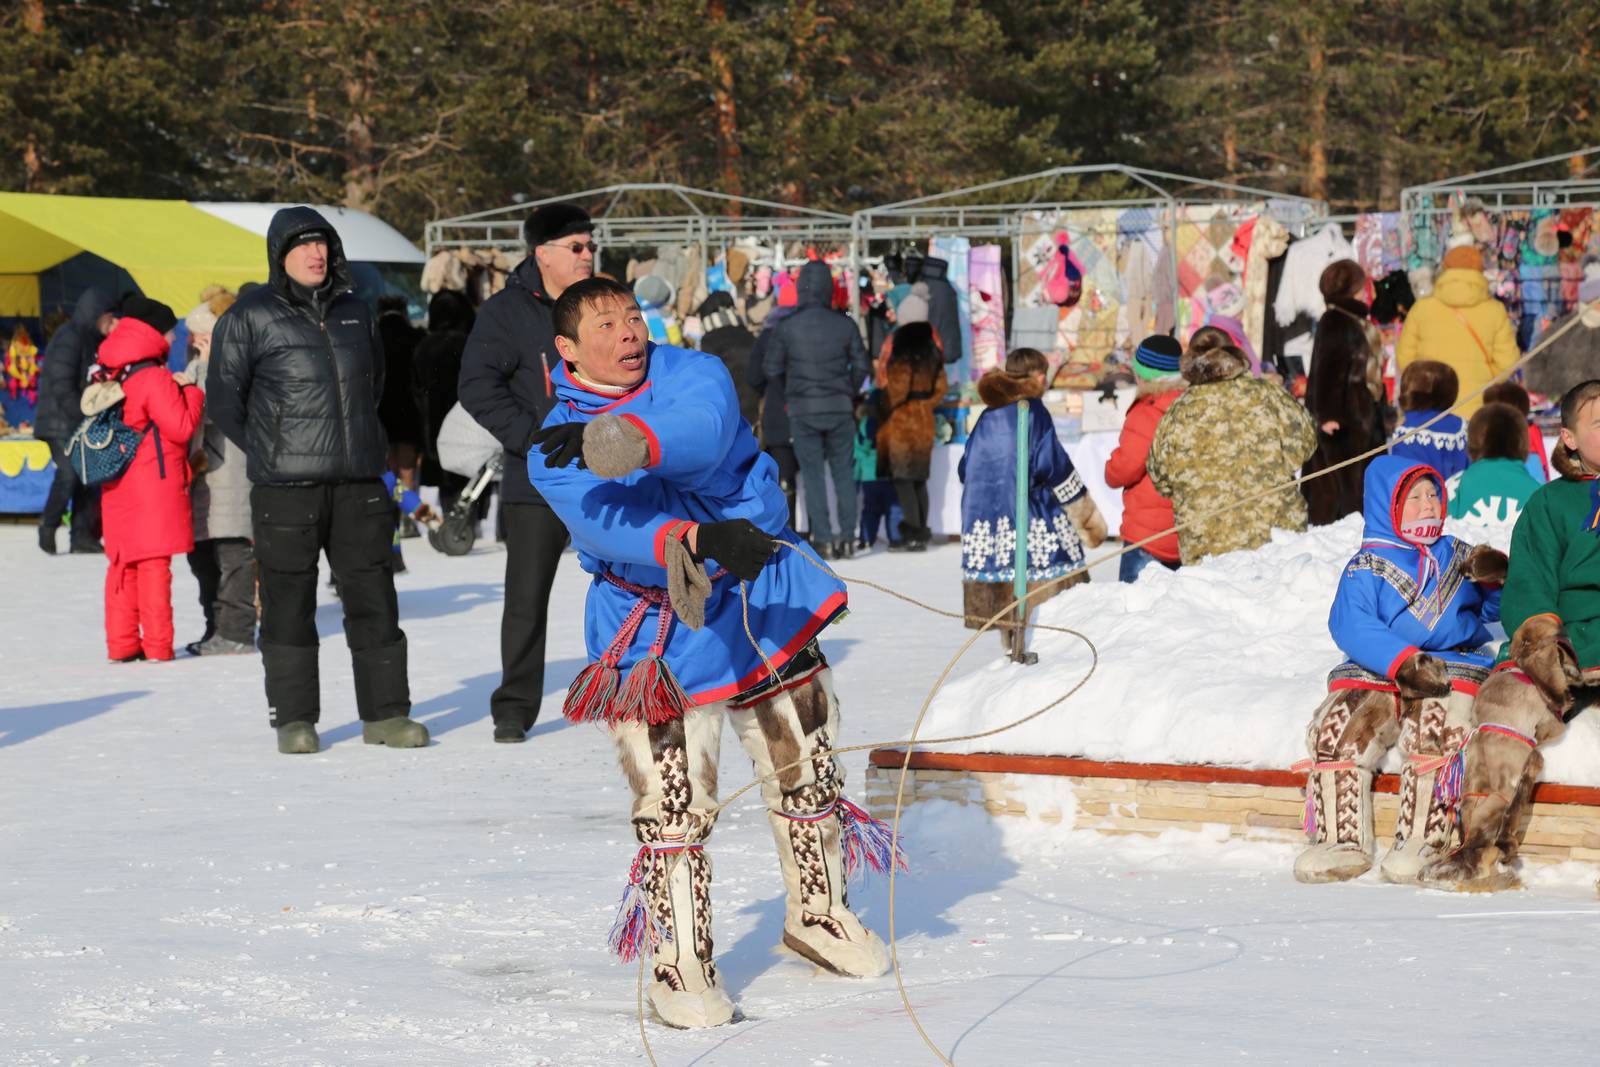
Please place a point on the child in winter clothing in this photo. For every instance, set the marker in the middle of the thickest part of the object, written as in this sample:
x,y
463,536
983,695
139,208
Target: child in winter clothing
x,y
146,511
1428,388
1410,613
1145,511
1555,551
1061,517
408,503
1538,461
1227,437
1497,485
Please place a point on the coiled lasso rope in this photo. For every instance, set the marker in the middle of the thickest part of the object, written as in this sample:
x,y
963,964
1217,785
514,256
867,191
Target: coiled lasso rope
x,y
927,702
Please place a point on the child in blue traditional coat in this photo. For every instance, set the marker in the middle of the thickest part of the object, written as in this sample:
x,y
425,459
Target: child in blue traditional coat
x,y
1428,388
677,513
1410,614
1061,517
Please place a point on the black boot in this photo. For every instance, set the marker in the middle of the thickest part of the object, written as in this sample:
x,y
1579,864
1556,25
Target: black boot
x,y
47,539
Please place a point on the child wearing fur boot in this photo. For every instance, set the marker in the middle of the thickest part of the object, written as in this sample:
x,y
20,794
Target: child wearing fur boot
x,y
1061,517
676,512
1554,580
1410,613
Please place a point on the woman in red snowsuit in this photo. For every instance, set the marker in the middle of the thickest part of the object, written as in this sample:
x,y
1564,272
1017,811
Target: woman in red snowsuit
x,y
146,511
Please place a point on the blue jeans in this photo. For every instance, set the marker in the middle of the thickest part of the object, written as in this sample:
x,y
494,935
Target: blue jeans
x,y
1136,561
822,442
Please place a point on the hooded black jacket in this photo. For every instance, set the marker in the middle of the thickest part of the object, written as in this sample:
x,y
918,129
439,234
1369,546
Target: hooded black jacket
x,y
505,379
817,351
944,313
295,376
64,369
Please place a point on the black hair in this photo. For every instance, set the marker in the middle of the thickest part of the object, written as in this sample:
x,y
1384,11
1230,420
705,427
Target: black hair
x,y
1576,399
580,297
914,343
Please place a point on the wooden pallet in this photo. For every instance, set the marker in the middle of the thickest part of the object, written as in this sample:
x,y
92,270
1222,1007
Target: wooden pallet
x,y
1150,798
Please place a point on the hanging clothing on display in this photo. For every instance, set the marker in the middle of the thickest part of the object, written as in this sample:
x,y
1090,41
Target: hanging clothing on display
x,y
1270,241
1540,282
1143,262
954,251
1207,257
1299,294
944,304
986,298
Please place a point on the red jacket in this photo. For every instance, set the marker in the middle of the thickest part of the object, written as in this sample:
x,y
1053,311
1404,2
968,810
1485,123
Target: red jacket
x,y
146,515
1144,511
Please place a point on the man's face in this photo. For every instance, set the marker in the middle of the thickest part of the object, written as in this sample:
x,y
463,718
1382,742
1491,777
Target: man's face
x,y
565,261
106,323
308,263
611,343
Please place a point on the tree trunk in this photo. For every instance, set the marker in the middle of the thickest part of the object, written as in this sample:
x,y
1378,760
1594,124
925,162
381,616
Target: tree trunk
x,y
1317,120
32,162
725,106
361,171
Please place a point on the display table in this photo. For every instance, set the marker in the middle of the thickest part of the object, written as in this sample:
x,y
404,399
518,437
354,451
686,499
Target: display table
x,y
26,472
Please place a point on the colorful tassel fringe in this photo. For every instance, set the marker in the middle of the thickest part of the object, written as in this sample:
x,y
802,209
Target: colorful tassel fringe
x,y
591,694
1308,822
635,929
866,842
651,694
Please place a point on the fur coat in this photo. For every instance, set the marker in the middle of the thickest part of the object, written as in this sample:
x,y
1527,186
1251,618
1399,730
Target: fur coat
x,y
905,436
1228,437
1343,387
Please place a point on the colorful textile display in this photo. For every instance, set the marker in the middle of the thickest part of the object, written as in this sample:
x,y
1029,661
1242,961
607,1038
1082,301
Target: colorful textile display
x,y
986,289
1207,257
956,251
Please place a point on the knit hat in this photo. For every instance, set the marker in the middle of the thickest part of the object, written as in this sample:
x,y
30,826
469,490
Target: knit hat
x,y
555,221
1157,357
306,237
152,313
1463,258
653,291
200,319
913,306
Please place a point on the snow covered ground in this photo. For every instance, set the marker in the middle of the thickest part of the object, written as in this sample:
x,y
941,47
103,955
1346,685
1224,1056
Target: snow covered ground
x,y
173,891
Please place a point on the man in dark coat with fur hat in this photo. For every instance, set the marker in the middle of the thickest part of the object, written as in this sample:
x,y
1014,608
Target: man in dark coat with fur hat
x,y
505,386
295,376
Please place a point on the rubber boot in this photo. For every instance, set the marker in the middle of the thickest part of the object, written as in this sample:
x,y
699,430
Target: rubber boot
x,y
685,988
1343,846
298,738
817,921
398,732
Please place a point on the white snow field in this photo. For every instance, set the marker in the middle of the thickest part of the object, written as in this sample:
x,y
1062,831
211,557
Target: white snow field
x,y
173,891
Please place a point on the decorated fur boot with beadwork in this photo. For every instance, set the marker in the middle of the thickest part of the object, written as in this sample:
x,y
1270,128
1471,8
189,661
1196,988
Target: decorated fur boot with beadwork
x,y
1348,735
1431,732
821,837
684,986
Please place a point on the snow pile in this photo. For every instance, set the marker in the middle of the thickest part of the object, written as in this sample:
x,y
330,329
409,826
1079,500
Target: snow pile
x,y
1220,663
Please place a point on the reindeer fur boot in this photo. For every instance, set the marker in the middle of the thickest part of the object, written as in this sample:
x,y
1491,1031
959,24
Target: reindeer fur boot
x,y
1432,730
1349,734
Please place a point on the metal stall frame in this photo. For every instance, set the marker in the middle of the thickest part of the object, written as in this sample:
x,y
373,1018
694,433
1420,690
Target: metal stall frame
x,y
940,214
705,222
1499,191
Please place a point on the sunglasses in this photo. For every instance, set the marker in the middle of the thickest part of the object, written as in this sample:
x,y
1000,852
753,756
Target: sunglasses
x,y
577,248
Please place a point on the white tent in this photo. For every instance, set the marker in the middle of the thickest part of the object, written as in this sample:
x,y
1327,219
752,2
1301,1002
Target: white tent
x,y
366,238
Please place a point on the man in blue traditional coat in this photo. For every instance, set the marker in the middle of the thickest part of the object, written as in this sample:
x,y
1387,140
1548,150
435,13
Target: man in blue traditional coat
x,y
678,514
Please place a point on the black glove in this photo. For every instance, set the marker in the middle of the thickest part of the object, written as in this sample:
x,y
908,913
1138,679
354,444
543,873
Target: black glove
x,y
560,445
737,544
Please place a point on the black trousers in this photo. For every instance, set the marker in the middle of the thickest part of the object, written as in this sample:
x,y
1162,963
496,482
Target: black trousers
x,y
66,489
535,539
913,497
354,523
225,568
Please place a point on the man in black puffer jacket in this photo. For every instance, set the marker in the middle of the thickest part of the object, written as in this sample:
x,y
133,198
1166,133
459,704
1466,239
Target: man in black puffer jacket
x,y
505,386
818,354
295,377
63,373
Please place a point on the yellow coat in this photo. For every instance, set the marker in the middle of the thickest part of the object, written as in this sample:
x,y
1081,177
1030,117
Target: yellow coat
x,y
1435,330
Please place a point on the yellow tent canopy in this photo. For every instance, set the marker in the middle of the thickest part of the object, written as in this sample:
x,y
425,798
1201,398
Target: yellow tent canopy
x,y
172,249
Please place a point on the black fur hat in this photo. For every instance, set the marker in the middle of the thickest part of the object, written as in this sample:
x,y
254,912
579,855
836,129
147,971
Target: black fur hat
x,y
555,221
1497,431
1428,385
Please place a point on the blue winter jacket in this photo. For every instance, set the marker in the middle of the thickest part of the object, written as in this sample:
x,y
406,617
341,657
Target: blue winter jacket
x,y
988,472
1382,615
704,466
1442,446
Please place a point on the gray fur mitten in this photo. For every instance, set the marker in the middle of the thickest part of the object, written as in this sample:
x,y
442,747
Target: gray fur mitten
x,y
688,586
1088,521
1422,675
1487,565
613,447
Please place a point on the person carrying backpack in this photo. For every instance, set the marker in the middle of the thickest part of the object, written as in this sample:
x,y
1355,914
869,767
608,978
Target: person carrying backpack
x,y
145,511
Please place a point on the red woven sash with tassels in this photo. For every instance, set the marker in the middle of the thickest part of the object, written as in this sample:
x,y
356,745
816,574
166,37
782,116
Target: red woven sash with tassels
x,y
650,693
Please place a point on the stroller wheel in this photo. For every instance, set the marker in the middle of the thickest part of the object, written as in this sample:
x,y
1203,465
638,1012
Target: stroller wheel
x,y
455,535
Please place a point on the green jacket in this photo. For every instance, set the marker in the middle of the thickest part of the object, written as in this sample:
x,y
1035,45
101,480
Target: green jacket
x,y
1555,566
1492,490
